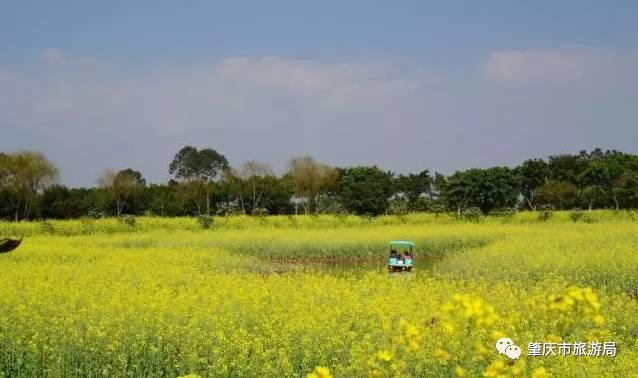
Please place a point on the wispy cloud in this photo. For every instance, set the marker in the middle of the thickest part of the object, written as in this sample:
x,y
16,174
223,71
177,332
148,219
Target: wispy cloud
x,y
560,66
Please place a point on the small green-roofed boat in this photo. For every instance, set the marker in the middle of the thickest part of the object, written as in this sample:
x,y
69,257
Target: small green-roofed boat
x,y
401,261
403,243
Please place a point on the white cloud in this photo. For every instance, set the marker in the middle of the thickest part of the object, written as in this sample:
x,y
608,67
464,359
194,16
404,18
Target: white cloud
x,y
560,66
524,67
396,115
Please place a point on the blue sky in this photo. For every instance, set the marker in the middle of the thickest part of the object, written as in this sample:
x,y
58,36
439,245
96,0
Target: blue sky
x,y
143,30
127,83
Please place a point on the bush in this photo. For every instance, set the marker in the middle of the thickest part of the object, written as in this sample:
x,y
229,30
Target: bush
x,y
128,220
472,214
545,212
47,227
205,221
577,215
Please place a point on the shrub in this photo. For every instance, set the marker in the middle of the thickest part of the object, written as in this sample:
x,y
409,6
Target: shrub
x,y
577,215
545,212
205,221
128,220
47,227
472,214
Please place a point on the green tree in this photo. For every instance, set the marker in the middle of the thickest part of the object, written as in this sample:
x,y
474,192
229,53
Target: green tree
x,y
612,172
530,176
191,166
190,163
193,195
365,190
557,192
120,187
590,195
567,168
277,194
414,187
486,189
23,176
235,193
58,202
439,189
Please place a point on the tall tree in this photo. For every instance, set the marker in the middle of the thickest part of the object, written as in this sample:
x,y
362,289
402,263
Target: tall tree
x,y
590,195
253,174
190,164
413,185
615,173
57,201
26,174
309,178
557,192
233,189
566,167
530,176
193,194
121,186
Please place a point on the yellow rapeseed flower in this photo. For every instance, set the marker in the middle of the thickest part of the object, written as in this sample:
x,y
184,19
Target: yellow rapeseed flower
x,y
495,369
540,372
320,372
441,354
384,356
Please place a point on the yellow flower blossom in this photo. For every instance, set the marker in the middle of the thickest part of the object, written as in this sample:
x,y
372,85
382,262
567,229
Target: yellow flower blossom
x,y
460,372
495,369
384,355
540,372
441,354
320,372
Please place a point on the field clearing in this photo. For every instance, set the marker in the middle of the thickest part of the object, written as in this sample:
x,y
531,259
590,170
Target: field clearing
x,y
165,298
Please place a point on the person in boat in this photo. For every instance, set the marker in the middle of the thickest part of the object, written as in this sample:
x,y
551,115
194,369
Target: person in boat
x,y
394,258
407,257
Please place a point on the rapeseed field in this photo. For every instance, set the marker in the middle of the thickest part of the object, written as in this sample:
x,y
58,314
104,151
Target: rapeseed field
x,y
247,298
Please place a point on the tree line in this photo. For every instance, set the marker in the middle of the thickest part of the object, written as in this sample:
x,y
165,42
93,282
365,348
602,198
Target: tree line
x,y
204,183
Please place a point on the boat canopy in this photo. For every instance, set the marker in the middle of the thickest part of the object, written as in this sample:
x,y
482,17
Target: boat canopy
x,y
403,243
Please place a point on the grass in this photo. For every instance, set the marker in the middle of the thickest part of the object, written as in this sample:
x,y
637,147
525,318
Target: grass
x,y
165,298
